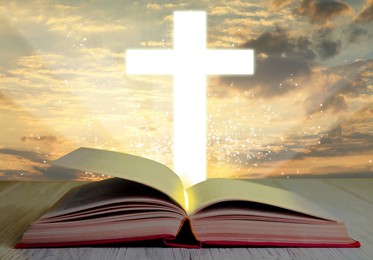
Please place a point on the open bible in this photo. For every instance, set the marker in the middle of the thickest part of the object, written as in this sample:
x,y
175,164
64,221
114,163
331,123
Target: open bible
x,y
146,204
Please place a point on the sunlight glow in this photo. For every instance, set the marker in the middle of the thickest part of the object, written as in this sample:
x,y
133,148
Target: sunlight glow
x,y
189,62
186,201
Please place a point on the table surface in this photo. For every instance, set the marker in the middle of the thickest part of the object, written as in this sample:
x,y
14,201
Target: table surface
x,y
349,199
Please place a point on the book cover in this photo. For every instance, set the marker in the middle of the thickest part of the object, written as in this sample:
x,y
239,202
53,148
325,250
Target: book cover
x,y
146,202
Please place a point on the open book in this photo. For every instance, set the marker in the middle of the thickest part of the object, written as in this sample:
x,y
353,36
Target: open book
x,y
146,204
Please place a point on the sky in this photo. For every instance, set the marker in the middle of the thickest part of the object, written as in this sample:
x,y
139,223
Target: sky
x,y
306,112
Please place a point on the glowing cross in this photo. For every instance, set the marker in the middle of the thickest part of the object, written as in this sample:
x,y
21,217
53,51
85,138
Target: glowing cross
x,y
189,62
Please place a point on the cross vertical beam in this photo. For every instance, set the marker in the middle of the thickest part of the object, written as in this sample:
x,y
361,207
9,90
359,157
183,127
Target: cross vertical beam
x,y
189,62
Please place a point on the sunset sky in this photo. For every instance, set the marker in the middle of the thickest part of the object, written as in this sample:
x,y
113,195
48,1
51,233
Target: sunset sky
x,y
307,110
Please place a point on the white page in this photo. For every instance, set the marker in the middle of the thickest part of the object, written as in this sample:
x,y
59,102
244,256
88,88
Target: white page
x,y
129,167
217,190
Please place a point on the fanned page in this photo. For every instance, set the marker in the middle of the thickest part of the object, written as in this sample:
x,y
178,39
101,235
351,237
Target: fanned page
x,y
213,191
107,193
112,210
125,166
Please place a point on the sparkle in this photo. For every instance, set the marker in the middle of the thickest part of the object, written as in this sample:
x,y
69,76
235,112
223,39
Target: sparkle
x,y
226,62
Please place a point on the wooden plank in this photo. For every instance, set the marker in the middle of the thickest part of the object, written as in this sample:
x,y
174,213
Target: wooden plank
x,y
350,199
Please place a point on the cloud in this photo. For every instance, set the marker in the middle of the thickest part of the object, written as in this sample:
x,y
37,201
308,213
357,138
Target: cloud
x,y
237,8
328,48
47,173
355,78
279,4
58,173
285,58
321,12
340,142
12,45
7,174
347,173
366,14
79,24
65,18
279,42
368,111
48,139
154,6
325,45
286,154
39,167
355,34
336,87
279,69
337,143
7,104
335,104
341,170
28,155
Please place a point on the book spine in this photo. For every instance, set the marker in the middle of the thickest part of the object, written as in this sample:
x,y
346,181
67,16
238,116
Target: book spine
x,y
185,237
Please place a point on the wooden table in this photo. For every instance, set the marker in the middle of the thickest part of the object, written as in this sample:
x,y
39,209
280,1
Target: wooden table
x,y
349,199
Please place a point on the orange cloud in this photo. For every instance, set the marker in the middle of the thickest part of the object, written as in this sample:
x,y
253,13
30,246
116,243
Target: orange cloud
x,y
366,14
321,12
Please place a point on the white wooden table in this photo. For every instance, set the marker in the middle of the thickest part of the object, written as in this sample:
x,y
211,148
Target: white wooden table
x,y
349,199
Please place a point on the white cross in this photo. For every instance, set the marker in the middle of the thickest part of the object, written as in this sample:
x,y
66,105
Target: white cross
x,y
189,62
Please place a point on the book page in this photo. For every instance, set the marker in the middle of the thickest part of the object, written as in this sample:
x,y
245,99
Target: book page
x,y
125,166
212,191
107,192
